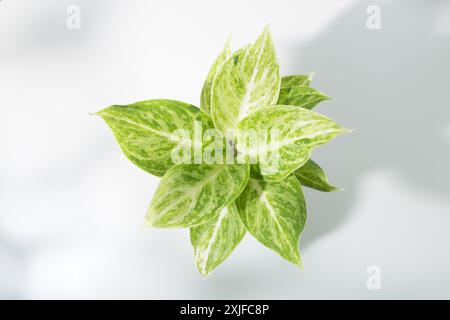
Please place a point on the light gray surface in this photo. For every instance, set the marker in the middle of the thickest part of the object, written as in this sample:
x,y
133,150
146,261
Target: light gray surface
x,y
71,207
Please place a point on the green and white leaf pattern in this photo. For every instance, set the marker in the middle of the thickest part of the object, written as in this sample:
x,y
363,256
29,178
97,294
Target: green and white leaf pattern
x,y
247,81
303,80
215,240
299,132
145,130
192,194
313,176
205,99
304,97
274,212
221,202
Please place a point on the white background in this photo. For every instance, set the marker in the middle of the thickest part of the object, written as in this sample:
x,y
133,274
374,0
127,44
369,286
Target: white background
x,y
71,206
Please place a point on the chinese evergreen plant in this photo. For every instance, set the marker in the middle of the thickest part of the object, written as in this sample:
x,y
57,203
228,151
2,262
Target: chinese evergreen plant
x,y
220,202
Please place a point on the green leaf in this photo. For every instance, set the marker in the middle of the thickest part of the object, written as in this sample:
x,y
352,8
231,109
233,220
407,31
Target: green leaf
x,y
304,97
296,91
192,194
205,98
291,134
145,130
312,175
247,81
274,212
303,80
215,240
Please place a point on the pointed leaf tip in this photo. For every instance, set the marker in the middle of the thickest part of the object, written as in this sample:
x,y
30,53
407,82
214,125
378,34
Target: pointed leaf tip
x,y
205,96
248,80
313,176
274,212
215,240
299,132
145,130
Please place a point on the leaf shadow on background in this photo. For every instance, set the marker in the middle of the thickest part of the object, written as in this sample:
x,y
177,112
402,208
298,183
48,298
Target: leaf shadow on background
x,y
43,29
380,81
13,258
380,84
391,85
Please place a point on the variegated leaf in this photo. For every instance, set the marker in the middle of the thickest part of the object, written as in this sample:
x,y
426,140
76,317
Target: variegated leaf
x,y
313,176
205,99
145,130
192,194
215,240
247,81
291,134
304,97
303,80
274,212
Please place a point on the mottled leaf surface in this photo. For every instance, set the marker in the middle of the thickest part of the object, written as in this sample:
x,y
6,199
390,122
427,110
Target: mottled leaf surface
x,y
145,130
274,212
205,99
292,133
313,176
192,194
215,240
247,81
304,97
303,80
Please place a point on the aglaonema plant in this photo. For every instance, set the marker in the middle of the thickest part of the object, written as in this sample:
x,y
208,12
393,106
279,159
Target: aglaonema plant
x,y
258,187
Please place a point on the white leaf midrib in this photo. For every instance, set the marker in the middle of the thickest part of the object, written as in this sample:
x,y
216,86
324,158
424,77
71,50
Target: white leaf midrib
x,y
284,142
193,192
265,201
204,255
163,134
243,108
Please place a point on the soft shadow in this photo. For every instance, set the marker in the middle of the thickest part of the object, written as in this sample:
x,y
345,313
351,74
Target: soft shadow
x,y
12,281
46,30
391,85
